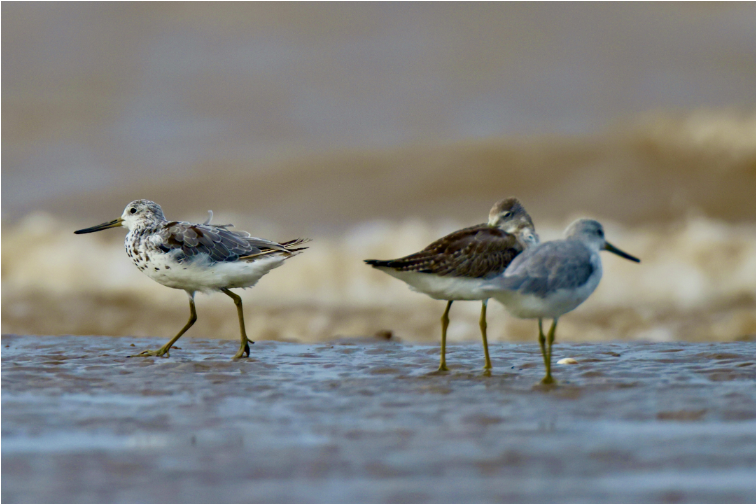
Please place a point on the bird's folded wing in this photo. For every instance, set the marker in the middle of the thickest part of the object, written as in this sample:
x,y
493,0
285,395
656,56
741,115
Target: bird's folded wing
x,y
546,268
220,244
475,252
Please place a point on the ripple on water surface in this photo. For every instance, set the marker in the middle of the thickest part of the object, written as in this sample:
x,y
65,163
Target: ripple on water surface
x,y
628,421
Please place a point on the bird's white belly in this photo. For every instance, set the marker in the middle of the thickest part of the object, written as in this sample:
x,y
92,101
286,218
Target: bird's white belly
x,y
555,304
201,274
441,287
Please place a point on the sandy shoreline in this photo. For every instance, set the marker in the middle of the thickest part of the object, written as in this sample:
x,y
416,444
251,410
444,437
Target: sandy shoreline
x,y
695,284
368,421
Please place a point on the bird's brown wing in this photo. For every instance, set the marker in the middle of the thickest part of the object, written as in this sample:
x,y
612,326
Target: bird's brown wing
x,y
476,252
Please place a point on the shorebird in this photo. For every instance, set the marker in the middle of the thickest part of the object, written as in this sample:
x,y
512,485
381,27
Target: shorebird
x,y
196,257
554,278
455,267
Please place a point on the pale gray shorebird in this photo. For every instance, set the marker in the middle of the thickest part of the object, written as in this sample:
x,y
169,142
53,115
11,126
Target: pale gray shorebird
x,y
553,278
455,267
197,257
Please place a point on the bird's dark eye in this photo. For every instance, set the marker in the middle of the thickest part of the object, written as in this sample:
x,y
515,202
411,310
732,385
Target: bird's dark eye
x,y
506,215
133,210
600,232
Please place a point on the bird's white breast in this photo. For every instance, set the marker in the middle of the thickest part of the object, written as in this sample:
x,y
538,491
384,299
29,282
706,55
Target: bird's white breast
x,y
441,287
197,273
201,274
556,303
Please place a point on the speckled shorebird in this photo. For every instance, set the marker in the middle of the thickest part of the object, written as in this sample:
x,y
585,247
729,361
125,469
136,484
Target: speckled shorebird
x,y
554,278
455,267
197,257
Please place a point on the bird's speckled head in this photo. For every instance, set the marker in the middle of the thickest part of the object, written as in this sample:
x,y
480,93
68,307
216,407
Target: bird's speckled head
x,y
140,213
509,215
591,233
137,213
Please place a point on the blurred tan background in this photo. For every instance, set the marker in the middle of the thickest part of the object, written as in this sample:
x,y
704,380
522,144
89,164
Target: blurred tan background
x,y
374,129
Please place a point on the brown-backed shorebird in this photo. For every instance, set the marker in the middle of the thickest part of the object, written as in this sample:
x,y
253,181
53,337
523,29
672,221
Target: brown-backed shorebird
x,y
455,267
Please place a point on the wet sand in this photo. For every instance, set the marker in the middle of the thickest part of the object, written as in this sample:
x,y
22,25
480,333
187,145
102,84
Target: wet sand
x,y
368,421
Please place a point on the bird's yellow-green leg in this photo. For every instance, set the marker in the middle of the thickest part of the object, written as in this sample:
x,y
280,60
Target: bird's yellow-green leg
x,y
483,327
548,379
244,347
163,350
542,343
444,325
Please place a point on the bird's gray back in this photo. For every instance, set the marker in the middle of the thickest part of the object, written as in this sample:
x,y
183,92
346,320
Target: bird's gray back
x,y
217,242
548,267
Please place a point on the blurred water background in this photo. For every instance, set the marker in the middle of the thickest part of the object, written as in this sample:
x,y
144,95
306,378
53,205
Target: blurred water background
x,y
375,129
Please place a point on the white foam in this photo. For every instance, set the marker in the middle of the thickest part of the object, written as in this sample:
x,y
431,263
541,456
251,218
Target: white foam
x,y
697,280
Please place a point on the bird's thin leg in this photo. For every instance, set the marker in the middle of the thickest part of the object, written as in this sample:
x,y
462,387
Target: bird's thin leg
x,y
542,343
163,350
548,379
483,327
244,347
444,325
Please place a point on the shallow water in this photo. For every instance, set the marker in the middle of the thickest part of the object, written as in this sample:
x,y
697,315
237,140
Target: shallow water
x,y
367,421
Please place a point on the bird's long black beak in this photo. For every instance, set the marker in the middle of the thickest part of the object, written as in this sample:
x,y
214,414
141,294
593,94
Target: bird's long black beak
x,y
614,250
100,227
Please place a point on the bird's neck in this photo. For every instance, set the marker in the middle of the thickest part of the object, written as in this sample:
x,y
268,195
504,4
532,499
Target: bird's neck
x,y
527,236
141,226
